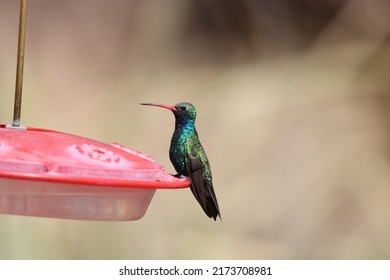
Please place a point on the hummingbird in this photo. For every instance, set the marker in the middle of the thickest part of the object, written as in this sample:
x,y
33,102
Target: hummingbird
x,y
189,158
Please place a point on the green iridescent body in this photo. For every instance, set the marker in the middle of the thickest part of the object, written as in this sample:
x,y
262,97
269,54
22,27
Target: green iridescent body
x,y
184,138
189,159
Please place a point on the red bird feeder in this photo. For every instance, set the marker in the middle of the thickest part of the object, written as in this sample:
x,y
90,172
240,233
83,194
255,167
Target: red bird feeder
x,y
53,174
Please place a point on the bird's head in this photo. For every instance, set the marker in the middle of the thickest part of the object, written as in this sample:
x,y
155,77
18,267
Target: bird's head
x,y
183,111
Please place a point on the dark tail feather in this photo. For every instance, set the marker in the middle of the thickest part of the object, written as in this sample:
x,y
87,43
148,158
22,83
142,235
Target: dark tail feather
x,y
212,210
208,203
202,186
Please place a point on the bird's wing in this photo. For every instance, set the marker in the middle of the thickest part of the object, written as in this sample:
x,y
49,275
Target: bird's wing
x,y
201,182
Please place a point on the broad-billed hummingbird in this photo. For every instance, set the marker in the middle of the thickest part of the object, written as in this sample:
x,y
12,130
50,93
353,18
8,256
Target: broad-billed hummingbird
x,y
188,157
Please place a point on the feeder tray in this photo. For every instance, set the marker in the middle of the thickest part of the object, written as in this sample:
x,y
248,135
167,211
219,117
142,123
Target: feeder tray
x,y
53,174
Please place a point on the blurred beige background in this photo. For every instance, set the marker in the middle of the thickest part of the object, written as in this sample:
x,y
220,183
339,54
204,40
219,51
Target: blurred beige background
x,y
293,110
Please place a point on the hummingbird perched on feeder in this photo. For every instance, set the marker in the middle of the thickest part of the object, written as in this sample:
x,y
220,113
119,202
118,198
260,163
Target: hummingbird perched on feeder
x,y
188,157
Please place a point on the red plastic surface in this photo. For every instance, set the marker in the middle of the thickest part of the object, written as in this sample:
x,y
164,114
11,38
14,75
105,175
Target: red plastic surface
x,y
54,174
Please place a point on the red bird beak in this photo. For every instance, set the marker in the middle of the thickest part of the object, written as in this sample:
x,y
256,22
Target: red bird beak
x,y
160,105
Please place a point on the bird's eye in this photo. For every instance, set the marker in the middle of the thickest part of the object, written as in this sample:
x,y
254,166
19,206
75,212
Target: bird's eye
x,y
183,108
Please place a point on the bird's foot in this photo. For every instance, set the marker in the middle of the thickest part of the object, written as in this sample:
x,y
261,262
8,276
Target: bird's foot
x,y
179,176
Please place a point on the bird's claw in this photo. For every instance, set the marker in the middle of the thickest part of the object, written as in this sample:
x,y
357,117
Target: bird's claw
x,y
179,176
